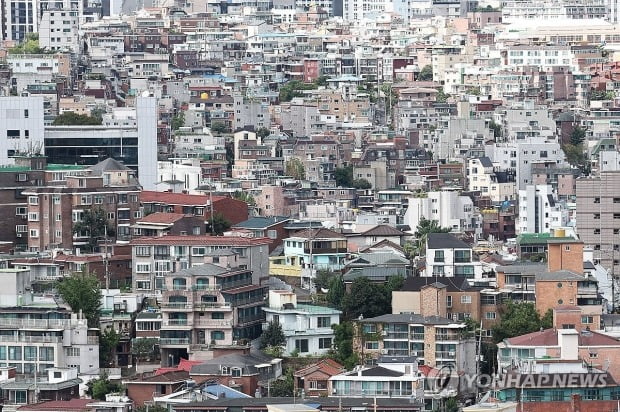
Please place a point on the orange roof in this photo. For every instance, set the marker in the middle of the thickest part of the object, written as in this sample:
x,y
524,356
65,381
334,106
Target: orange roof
x,y
184,365
64,406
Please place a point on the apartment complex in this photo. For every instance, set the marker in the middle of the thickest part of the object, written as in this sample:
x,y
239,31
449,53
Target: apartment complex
x,y
207,306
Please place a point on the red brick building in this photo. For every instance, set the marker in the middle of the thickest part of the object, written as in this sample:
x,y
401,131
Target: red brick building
x,y
143,388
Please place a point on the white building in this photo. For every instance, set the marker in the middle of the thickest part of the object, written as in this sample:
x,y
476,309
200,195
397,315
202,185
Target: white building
x,y
307,328
447,256
21,126
514,11
447,207
59,30
178,174
539,210
128,134
482,177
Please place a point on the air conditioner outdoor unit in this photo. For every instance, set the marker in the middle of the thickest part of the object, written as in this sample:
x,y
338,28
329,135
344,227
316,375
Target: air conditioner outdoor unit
x,y
451,353
384,351
519,287
414,353
19,235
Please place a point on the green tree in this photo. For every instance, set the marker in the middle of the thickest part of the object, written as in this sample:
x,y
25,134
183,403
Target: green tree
x,y
272,335
336,292
344,176
218,128
321,81
29,46
74,119
361,184
323,279
517,318
82,292
178,120
442,96
218,224
100,387
496,128
602,95
295,168
263,132
95,225
426,74
143,348
365,299
283,387
577,136
295,88
424,228
451,405
546,322
108,341
576,156
342,350
244,197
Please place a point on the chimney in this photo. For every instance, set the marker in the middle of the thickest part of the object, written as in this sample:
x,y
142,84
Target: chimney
x,y
575,402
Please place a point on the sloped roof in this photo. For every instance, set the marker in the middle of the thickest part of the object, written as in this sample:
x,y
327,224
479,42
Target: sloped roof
x,y
549,337
164,378
162,218
64,406
445,240
320,233
453,284
246,362
385,243
201,240
259,222
373,273
559,275
150,196
383,230
108,165
485,162
408,318
328,366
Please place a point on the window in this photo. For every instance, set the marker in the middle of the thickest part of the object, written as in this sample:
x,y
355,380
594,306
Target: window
x,y
86,199
323,322
34,233
21,397
30,353
372,345
272,234
33,200
236,372
21,211
217,335
449,301
143,251
33,217
597,200
15,353
143,268
466,299
46,354
301,345
587,319
21,177
439,257
12,134
490,315
325,343
143,285
72,351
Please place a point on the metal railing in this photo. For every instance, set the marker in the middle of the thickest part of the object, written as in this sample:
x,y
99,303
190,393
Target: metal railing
x,y
173,341
31,339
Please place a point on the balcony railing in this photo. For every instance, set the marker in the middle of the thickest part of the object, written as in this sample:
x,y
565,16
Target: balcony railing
x,y
31,339
176,322
177,305
92,340
445,355
447,336
10,323
417,336
284,270
397,335
173,341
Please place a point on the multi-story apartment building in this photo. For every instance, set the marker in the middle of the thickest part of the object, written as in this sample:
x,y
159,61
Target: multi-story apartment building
x,y
41,336
54,210
154,258
540,211
447,207
598,217
450,257
307,328
206,306
433,340
21,127
497,186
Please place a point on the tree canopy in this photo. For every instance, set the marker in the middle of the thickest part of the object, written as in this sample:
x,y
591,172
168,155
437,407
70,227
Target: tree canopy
x,y
100,387
143,348
424,228
272,336
220,224
519,318
244,197
344,178
370,299
295,168
295,88
30,45
74,119
426,74
342,350
108,341
577,136
94,223
82,291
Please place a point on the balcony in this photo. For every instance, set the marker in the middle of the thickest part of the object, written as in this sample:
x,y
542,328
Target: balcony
x,y
213,323
177,322
396,336
417,336
16,323
177,305
284,270
447,337
92,340
31,339
445,355
212,305
173,341
207,288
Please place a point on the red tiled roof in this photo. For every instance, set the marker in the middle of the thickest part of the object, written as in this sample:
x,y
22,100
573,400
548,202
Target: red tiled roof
x,y
148,196
320,233
70,405
549,337
172,376
163,218
202,240
328,366
184,365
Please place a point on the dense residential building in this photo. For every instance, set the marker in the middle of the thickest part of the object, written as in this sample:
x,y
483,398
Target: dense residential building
x,y
207,306
54,210
450,257
307,328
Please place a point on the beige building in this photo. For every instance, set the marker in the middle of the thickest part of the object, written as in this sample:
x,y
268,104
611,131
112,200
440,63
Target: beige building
x,y
481,177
